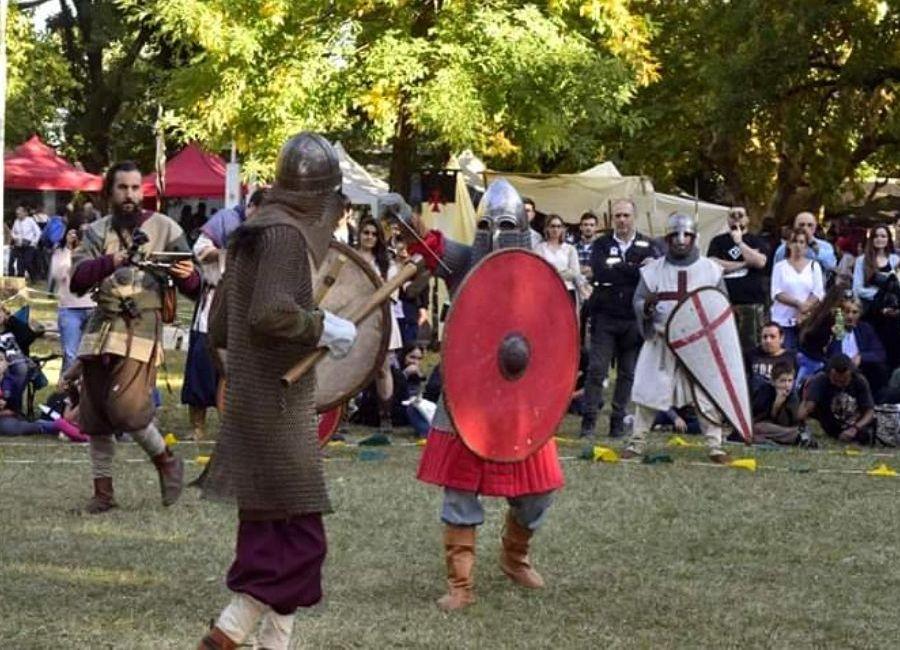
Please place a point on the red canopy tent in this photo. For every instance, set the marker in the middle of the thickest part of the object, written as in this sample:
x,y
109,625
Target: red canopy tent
x,y
35,166
191,172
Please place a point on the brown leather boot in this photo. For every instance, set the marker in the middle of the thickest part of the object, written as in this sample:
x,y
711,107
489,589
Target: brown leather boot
x,y
171,476
459,550
103,499
514,556
216,640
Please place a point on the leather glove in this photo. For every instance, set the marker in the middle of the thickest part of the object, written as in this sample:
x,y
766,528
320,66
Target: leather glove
x,y
338,335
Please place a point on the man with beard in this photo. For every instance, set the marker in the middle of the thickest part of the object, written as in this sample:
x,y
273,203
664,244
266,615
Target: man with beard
x,y
267,459
660,383
121,346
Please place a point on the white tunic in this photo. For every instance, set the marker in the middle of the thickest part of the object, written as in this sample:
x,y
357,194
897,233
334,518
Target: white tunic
x,y
659,383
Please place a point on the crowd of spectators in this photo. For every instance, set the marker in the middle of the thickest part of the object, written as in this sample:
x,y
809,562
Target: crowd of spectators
x,y
818,322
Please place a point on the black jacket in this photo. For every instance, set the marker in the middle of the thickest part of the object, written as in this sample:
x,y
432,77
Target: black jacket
x,y
615,277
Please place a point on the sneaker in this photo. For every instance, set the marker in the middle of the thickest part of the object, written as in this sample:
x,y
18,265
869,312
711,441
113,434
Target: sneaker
x,y
628,453
720,459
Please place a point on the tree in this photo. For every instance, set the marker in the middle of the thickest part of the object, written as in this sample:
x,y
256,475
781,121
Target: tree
x,y
526,84
37,83
780,103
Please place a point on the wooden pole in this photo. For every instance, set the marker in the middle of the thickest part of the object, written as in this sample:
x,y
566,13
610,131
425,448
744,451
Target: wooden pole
x,y
357,316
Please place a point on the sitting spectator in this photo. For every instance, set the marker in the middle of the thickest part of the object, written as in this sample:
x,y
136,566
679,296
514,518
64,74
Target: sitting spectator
x,y
680,420
862,345
407,384
762,358
875,284
840,399
817,334
776,410
17,370
797,286
11,421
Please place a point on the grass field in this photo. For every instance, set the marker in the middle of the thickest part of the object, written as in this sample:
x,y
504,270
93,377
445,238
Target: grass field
x,y
801,553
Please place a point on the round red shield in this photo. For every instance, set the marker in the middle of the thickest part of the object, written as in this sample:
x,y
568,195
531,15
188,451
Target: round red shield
x,y
510,355
329,421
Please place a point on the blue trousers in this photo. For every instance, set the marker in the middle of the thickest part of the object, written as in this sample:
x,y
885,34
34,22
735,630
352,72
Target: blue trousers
x,y
461,508
71,328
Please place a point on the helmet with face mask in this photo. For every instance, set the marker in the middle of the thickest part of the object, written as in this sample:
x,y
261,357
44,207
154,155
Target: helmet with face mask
x,y
501,221
679,226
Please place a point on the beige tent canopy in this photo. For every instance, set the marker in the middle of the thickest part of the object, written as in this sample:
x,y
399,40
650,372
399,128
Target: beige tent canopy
x,y
358,184
571,195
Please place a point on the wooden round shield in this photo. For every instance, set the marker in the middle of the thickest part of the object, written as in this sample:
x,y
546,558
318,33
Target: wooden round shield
x,y
344,280
510,355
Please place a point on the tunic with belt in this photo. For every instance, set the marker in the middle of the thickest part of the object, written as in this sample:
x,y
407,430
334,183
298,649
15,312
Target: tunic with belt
x,y
659,381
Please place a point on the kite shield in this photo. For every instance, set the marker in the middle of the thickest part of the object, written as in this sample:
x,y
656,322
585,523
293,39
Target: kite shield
x,y
702,334
510,355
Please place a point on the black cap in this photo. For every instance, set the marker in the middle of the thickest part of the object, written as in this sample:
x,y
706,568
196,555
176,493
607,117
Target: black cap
x,y
839,363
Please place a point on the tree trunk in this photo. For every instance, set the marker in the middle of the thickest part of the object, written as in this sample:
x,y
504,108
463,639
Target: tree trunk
x,y
404,155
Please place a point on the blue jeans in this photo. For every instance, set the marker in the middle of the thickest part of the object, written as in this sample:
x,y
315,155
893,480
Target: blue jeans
x,y
417,421
71,323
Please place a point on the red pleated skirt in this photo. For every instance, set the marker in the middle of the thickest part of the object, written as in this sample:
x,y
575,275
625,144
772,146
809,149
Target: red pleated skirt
x,y
446,461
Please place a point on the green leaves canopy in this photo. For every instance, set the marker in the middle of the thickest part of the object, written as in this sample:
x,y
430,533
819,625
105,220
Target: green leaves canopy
x,y
526,84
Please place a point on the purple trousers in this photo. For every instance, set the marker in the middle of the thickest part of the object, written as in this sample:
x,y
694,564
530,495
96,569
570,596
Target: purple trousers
x,y
279,562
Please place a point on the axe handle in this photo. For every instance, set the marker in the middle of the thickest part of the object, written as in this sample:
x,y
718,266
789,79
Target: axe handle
x,y
330,277
358,315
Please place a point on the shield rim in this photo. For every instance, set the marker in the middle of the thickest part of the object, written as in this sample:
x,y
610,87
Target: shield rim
x,y
696,382
448,331
324,440
358,259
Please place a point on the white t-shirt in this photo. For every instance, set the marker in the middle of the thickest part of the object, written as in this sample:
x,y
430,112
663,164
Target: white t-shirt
x,y
564,259
786,280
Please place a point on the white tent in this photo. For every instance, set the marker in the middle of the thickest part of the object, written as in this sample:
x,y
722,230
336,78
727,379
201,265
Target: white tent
x,y
571,195
359,185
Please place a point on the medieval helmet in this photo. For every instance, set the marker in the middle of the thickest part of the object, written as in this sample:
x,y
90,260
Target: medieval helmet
x,y
308,183
679,226
308,163
501,220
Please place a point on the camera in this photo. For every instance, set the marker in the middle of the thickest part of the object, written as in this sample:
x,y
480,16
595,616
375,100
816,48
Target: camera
x,y
138,239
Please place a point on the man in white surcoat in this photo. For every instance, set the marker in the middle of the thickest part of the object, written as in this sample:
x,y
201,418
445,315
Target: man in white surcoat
x,y
660,383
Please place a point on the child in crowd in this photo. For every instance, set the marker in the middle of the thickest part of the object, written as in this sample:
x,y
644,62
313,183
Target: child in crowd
x,y
776,406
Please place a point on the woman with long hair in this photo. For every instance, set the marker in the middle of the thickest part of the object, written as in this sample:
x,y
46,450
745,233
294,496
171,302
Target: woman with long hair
x,y
74,311
797,286
875,284
817,333
373,247
561,255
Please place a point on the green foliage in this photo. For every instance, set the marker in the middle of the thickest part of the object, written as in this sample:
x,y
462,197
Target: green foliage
x,y
37,81
781,100
522,83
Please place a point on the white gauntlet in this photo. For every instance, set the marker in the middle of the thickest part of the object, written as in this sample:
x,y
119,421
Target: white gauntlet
x,y
338,335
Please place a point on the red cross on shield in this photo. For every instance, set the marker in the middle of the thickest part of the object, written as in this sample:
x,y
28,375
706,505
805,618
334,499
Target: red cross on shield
x,y
702,334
